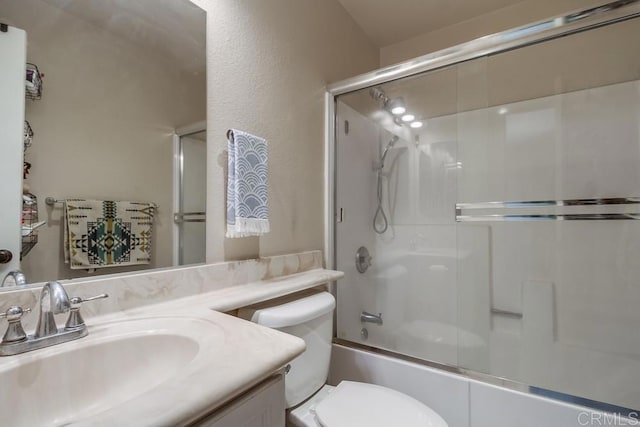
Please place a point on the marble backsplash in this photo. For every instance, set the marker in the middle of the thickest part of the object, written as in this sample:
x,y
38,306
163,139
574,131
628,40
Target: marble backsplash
x,y
128,291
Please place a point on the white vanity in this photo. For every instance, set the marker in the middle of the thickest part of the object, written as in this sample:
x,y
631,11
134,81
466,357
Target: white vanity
x,y
262,406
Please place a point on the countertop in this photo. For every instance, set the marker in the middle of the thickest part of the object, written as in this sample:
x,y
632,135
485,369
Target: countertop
x,y
248,353
234,297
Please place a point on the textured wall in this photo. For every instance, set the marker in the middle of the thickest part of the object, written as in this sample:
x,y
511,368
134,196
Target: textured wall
x,y
268,65
521,13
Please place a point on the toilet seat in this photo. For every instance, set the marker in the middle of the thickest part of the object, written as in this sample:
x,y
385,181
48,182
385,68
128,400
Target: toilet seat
x,y
360,404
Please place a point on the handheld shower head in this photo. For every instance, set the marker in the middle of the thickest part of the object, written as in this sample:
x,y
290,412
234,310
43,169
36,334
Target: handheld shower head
x,y
380,221
390,144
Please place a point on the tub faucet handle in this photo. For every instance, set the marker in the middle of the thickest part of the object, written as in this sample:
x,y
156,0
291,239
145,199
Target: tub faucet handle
x,y
363,259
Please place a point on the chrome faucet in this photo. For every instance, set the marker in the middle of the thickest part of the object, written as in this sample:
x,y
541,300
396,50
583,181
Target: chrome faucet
x,y
53,300
18,277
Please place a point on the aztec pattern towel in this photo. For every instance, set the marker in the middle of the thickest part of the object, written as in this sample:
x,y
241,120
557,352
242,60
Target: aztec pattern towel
x,y
247,185
102,233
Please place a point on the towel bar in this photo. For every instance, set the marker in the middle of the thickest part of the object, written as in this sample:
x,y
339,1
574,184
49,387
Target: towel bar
x,y
52,201
620,201
179,218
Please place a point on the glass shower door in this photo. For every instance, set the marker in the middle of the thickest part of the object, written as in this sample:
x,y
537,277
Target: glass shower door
x,y
396,174
498,199
555,130
191,217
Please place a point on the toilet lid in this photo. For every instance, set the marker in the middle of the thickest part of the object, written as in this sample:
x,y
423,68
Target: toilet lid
x,y
360,404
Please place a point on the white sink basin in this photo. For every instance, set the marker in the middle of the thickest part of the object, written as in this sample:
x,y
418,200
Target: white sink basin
x,y
115,363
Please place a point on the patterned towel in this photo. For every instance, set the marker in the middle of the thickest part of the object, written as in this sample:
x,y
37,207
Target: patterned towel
x,y
247,185
102,233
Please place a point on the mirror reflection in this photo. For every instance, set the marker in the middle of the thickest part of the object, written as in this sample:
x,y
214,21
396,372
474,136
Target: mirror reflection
x,y
108,86
192,190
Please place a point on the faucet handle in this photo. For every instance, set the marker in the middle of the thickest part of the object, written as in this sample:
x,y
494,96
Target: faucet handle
x,y
75,320
14,313
76,302
14,332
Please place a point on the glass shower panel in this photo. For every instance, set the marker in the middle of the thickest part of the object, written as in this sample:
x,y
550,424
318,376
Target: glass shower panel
x,y
547,302
396,169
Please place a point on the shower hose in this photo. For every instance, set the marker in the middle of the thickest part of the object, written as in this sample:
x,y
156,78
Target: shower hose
x,y
384,223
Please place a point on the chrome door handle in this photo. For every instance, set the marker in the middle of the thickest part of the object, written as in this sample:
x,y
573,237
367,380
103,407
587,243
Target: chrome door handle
x,y
371,318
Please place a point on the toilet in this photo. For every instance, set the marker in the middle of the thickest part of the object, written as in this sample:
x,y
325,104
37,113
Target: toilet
x,y
310,402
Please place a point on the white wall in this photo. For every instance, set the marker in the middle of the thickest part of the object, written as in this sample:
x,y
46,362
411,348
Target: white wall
x,y
103,128
520,13
268,65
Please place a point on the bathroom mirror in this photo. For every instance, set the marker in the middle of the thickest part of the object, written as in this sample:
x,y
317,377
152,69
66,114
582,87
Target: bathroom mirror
x,y
119,78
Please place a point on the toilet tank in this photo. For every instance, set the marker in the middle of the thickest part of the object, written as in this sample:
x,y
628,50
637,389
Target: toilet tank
x,y
309,316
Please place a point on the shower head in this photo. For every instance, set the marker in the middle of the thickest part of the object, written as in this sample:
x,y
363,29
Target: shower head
x,y
379,95
390,144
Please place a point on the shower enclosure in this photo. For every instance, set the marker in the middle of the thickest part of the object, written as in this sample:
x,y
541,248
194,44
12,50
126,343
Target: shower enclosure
x,y
496,187
190,194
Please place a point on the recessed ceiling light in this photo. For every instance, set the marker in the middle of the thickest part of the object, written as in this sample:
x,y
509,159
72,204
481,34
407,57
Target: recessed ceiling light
x,y
408,118
398,110
396,106
503,111
416,125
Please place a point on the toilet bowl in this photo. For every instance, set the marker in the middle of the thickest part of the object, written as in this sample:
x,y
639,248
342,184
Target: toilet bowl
x,y
311,402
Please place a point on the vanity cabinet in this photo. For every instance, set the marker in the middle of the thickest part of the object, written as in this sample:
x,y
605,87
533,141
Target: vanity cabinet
x,y
262,406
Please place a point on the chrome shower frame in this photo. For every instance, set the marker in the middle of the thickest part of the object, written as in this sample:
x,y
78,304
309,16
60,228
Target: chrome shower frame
x,y
538,32
178,189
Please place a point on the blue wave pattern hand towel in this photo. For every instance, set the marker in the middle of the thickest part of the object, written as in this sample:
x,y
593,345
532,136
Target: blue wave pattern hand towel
x,y
247,185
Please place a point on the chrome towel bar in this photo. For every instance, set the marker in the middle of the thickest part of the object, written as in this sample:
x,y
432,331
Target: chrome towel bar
x,y
544,203
580,216
181,217
52,201
552,217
